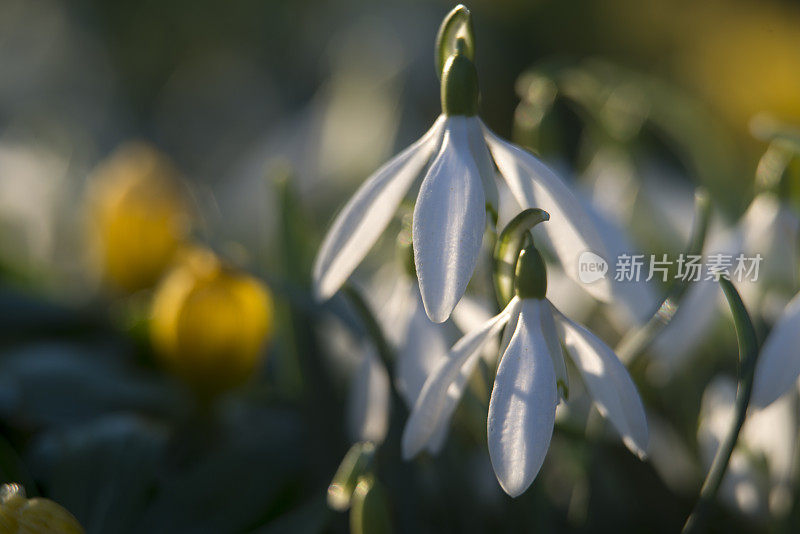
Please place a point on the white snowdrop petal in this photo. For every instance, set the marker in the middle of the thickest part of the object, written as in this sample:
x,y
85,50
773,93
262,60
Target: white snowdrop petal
x,y
511,327
570,230
450,403
426,417
522,409
554,345
368,403
449,220
483,160
368,212
422,349
778,365
608,383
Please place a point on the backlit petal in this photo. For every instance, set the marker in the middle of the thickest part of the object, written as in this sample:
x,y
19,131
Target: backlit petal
x,y
449,220
431,410
368,212
570,230
522,409
608,383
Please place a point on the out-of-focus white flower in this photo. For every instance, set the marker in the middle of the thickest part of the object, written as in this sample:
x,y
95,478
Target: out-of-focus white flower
x,y
357,364
419,344
531,376
368,402
32,180
768,229
449,214
778,365
758,479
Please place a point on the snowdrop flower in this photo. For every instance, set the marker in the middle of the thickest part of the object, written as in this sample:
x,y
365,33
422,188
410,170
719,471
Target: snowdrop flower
x,y
460,154
778,365
531,378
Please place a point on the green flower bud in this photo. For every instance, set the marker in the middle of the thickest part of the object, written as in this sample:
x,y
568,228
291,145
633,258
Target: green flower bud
x,y
530,281
460,92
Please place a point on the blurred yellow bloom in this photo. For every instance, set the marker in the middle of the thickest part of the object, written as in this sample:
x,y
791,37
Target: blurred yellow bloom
x,y
209,323
19,515
138,216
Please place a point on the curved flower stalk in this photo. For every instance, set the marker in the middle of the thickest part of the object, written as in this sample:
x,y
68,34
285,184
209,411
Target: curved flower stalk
x,y
460,154
758,479
531,379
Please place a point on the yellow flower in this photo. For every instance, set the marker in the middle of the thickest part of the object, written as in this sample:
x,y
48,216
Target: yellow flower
x,y
209,323
19,515
138,216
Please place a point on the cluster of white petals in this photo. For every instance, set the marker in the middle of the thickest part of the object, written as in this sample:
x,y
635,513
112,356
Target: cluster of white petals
x,y
530,374
460,154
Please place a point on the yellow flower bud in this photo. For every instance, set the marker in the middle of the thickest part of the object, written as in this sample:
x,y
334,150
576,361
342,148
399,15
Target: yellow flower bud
x,y
19,515
138,216
209,323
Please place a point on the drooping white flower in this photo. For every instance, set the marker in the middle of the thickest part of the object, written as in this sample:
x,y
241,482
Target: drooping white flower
x,y
531,376
460,154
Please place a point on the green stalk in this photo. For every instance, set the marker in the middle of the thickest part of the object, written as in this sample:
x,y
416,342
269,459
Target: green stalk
x,y
748,353
506,252
456,25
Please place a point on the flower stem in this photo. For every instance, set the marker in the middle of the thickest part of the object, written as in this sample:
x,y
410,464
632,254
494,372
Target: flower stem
x,y
635,343
748,353
370,323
